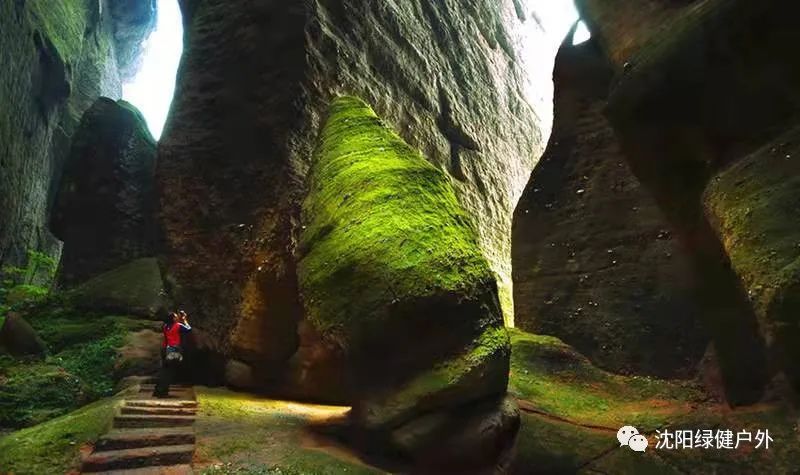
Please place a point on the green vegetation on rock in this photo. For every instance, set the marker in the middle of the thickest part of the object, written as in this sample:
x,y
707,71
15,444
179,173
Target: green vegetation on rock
x,y
53,447
557,380
382,225
20,285
80,366
476,373
64,23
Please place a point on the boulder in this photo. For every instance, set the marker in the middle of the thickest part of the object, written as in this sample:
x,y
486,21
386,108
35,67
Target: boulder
x,y
595,261
18,338
710,84
386,253
754,209
240,375
135,288
471,439
58,58
105,208
139,355
235,153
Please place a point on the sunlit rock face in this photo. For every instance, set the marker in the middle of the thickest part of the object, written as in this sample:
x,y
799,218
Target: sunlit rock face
x,y
58,58
254,85
133,21
708,84
105,207
594,259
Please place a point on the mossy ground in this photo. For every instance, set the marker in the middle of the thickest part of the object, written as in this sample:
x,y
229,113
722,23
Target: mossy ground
x,y
244,434
572,410
561,382
78,368
382,225
54,446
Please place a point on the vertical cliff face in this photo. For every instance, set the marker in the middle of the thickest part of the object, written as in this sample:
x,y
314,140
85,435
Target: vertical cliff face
x,y
716,82
105,208
255,82
594,259
58,57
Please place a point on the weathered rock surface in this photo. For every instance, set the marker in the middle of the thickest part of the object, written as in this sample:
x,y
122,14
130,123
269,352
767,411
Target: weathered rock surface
x,y
754,206
593,256
58,58
105,208
463,439
699,92
255,81
135,288
386,253
18,338
140,354
133,21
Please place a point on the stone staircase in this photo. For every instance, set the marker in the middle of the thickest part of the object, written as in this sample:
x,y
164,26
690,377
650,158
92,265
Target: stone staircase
x,y
150,436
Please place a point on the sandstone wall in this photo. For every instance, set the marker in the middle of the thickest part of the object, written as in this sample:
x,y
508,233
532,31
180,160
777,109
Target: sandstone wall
x,y
252,90
594,259
696,97
58,57
105,207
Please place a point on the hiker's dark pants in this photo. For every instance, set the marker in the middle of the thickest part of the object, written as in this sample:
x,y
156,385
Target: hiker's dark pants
x,y
165,375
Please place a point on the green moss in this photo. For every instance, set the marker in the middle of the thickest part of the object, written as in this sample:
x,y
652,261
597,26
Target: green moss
x,y
558,447
246,434
558,381
382,225
53,447
753,206
79,367
466,371
63,22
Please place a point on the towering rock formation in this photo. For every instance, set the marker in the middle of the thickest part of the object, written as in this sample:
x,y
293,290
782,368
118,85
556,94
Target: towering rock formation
x,y
58,58
392,277
593,256
255,82
105,208
700,86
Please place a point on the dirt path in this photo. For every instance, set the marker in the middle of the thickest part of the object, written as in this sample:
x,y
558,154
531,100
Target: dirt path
x,y
150,436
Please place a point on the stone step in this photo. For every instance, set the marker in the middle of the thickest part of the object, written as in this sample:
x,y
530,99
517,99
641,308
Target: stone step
x,y
121,439
157,470
137,458
152,386
127,421
159,411
161,403
173,393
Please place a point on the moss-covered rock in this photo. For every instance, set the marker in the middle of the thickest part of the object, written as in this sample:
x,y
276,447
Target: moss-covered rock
x,y
552,378
58,59
595,260
707,86
105,208
753,207
135,288
571,411
386,252
86,354
54,446
18,337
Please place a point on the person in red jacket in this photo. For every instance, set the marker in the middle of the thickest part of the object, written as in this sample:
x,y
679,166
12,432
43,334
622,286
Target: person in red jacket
x,y
175,325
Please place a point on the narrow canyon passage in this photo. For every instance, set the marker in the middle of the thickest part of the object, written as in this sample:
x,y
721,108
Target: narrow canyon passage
x,y
473,237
